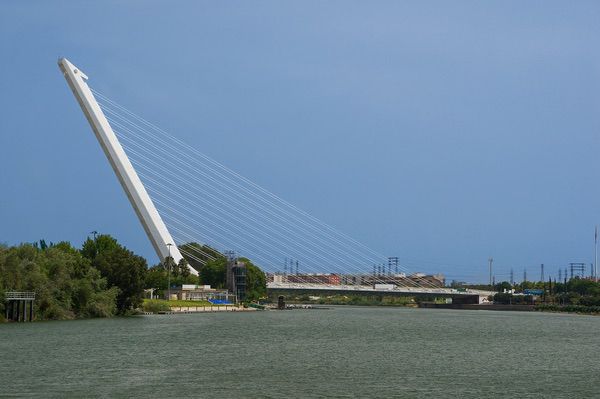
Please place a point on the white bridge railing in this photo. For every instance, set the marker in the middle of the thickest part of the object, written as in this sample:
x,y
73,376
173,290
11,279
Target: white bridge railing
x,y
367,288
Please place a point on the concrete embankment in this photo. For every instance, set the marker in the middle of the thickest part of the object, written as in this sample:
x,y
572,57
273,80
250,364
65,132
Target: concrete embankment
x,y
205,309
522,308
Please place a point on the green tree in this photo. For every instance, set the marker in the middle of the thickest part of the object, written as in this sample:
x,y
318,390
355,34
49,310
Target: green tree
x,y
184,270
500,287
121,268
65,283
256,281
197,255
156,277
171,267
213,272
102,243
583,287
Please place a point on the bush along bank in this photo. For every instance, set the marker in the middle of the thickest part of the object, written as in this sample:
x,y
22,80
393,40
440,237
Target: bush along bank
x,y
102,279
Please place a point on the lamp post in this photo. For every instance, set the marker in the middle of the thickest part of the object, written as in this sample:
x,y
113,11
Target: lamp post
x,y
169,273
596,254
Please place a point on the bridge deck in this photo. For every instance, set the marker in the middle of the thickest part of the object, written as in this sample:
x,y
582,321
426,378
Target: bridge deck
x,y
451,292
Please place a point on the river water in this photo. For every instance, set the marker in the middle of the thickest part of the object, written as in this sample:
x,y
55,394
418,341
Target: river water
x,y
341,352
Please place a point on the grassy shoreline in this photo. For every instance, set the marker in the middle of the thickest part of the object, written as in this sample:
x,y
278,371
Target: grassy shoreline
x,y
160,305
578,309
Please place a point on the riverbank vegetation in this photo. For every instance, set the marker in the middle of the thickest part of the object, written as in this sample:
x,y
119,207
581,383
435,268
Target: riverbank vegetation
x,y
351,299
580,295
213,271
103,278
211,266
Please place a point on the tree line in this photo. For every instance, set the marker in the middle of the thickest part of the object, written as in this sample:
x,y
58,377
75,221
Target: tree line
x,y
573,292
572,295
103,278
212,268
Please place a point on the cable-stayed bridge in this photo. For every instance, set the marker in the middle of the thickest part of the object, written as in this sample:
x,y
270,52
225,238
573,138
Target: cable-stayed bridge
x,y
183,196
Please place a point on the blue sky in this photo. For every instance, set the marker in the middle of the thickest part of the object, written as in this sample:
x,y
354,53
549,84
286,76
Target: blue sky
x,y
441,132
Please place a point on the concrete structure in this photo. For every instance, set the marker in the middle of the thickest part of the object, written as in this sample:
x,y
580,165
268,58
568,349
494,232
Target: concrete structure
x,y
400,279
312,278
191,292
235,276
458,296
140,200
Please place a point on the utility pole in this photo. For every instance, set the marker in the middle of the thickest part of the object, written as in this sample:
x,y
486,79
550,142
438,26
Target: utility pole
x,y
524,274
542,273
512,277
490,261
169,273
94,233
393,262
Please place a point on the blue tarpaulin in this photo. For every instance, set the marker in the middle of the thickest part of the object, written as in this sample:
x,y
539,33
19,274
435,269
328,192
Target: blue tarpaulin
x,y
220,302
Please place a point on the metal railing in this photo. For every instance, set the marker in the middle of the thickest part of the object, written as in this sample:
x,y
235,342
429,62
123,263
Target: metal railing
x,y
19,295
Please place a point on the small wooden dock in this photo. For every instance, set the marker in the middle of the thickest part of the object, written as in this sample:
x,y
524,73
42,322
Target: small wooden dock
x,y
16,305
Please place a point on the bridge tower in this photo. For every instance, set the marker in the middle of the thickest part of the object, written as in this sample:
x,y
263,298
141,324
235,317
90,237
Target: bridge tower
x,y
155,228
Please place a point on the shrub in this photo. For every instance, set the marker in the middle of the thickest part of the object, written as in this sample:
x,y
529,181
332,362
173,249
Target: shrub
x,y
155,306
